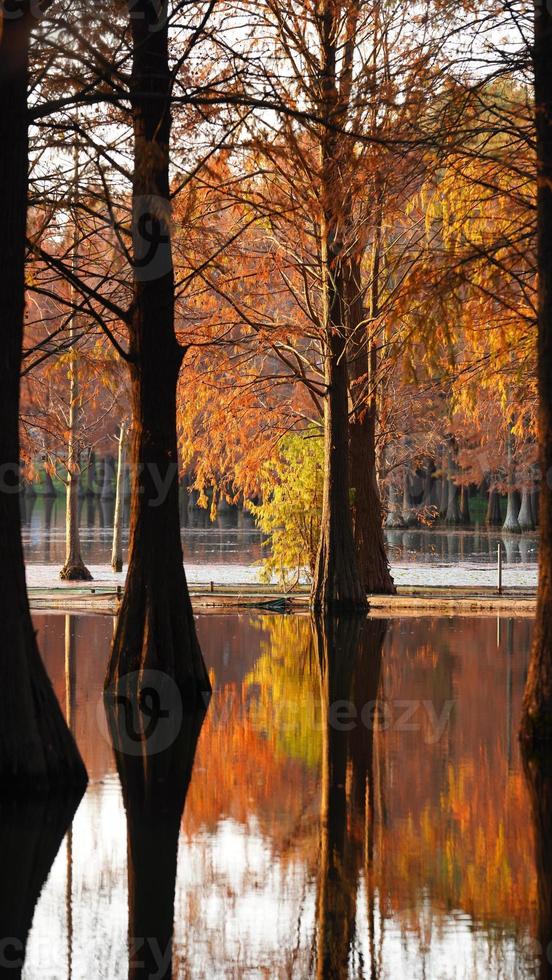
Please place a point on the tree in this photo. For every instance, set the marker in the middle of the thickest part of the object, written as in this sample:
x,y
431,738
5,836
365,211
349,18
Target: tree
x,y
31,832
155,627
536,723
291,506
36,748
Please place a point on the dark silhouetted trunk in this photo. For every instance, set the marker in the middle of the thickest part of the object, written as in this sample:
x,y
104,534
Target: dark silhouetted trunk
x,y
36,748
155,628
366,505
536,723
154,784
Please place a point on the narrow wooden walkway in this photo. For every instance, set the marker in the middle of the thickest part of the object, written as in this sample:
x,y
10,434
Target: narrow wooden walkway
x,y
409,601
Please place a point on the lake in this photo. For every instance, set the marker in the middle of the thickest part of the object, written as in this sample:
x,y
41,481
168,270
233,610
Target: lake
x,y
356,808
230,550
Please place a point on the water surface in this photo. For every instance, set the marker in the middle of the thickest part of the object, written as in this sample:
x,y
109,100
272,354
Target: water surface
x,y
387,837
230,549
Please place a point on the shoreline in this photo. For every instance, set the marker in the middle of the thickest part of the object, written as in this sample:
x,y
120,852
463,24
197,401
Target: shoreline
x,y
209,597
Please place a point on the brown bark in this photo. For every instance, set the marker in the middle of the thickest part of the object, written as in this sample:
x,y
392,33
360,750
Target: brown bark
x,y
36,748
536,725
337,583
156,627
366,504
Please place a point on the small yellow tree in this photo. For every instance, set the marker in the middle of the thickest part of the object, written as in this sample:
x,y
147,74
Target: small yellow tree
x,y
290,513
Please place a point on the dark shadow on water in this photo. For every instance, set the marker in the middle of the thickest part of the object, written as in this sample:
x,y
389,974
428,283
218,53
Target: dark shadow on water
x,y
154,786
349,654
31,833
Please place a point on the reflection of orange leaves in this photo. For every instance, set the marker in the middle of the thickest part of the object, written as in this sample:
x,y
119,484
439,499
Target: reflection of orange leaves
x,y
474,853
239,775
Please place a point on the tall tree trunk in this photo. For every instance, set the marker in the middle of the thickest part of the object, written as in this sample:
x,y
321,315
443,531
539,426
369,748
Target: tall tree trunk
x,y
366,504
74,569
337,583
536,725
36,748
511,522
155,628
117,550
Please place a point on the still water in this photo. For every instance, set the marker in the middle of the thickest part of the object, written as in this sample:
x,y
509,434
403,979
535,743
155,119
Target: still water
x,y
352,814
230,549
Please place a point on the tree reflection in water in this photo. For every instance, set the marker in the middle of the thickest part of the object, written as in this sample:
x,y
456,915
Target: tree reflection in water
x,y
31,832
538,773
349,652
154,786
